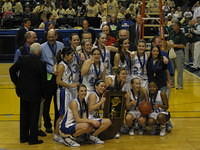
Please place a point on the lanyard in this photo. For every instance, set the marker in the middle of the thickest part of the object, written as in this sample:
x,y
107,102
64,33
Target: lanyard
x,y
68,65
53,51
103,54
82,107
136,99
128,60
152,98
142,63
97,71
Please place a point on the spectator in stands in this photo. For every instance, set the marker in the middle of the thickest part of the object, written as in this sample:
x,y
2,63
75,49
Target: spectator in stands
x,y
18,8
110,40
21,32
196,10
132,10
103,10
121,14
178,13
188,13
70,11
38,9
49,52
30,38
92,9
61,11
112,7
7,6
126,23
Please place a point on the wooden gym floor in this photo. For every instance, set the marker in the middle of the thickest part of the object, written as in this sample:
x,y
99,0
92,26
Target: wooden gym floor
x,y
184,107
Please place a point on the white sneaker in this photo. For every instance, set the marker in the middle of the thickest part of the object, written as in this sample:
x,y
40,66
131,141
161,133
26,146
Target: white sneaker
x,y
71,142
140,132
58,138
117,135
96,140
163,132
131,132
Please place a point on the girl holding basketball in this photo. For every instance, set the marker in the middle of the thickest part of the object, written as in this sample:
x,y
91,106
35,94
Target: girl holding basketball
x,y
159,102
136,95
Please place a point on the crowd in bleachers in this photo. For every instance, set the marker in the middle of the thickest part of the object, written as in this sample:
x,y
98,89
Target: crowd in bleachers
x,y
78,74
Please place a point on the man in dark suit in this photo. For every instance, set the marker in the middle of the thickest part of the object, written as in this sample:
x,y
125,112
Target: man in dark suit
x,y
26,26
29,76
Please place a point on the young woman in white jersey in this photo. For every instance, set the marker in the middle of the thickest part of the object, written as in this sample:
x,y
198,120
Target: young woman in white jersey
x,y
105,53
160,105
96,102
136,95
138,64
93,69
86,51
76,122
123,57
64,80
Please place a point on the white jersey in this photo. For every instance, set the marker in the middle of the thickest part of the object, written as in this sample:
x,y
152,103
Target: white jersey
x,y
67,74
75,66
68,119
92,75
138,66
126,64
105,59
126,86
96,113
137,99
157,101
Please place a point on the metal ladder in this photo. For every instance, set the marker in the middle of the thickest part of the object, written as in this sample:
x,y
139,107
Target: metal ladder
x,y
153,19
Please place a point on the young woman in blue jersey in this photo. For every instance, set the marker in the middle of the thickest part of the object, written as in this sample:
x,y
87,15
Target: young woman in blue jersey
x,y
96,100
138,64
123,57
136,95
160,105
64,80
76,122
93,69
157,70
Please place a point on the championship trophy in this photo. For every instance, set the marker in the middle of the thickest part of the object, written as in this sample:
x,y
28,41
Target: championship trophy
x,y
114,108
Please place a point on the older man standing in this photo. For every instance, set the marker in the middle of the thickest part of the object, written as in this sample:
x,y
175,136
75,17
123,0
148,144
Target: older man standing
x,y
29,76
30,38
49,52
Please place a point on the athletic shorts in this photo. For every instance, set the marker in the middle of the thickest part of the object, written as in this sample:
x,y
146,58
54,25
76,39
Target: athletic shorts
x,y
63,99
68,130
135,113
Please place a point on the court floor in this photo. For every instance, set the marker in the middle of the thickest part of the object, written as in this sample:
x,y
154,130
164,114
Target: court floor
x,y
184,107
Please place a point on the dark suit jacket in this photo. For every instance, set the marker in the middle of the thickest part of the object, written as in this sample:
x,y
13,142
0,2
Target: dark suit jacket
x,y
29,76
134,35
20,36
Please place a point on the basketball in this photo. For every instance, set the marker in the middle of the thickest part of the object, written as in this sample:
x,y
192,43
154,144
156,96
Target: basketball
x,y
145,107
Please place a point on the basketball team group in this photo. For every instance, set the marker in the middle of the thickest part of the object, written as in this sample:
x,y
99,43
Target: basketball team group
x,y
80,76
